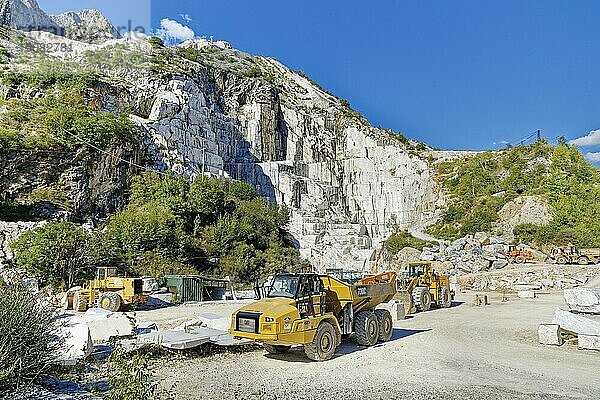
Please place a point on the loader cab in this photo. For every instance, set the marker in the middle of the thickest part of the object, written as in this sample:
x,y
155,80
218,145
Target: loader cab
x,y
105,272
416,270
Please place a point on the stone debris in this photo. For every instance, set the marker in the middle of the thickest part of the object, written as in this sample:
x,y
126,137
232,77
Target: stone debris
x,y
552,277
526,294
396,309
589,342
550,334
105,325
77,341
576,323
585,300
172,339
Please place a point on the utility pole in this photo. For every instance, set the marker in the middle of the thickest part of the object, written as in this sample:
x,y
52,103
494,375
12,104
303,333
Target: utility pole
x,y
539,135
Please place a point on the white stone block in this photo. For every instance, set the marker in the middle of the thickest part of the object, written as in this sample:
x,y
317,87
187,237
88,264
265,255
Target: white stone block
x,y
589,342
550,334
576,323
526,294
583,299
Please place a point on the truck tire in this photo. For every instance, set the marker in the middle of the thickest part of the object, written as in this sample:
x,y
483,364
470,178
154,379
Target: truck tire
x,y
79,302
366,328
323,345
445,298
583,260
519,259
386,325
111,301
561,260
421,298
276,348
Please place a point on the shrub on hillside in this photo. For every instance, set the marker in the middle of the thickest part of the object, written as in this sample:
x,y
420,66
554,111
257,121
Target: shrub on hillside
x,y
57,253
27,341
401,239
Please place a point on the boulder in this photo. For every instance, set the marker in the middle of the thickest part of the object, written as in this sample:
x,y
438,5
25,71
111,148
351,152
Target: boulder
x,y
586,300
498,264
550,334
589,342
105,325
77,341
576,323
396,309
526,294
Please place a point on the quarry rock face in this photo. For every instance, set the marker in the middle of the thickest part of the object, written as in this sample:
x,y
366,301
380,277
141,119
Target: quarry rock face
x,y
343,181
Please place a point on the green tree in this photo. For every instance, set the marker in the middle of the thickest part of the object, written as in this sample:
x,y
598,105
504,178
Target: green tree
x,y
56,253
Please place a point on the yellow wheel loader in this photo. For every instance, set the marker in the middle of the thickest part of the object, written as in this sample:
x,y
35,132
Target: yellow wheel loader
x,y
425,287
108,291
316,311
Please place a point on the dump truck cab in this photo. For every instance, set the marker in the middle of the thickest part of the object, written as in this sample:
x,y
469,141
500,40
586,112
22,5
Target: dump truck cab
x,y
315,311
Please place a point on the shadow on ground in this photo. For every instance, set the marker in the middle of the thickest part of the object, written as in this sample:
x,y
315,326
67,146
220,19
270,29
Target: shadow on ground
x,y
348,346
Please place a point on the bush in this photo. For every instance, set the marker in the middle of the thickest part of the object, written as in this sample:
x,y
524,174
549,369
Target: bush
x,y
156,42
345,103
129,378
401,239
27,341
56,253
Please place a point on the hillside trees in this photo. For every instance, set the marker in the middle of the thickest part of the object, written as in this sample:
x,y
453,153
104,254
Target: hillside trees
x,y
170,226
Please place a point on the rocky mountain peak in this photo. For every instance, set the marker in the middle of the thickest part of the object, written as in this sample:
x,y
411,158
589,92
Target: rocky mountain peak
x,y
26,15
87,26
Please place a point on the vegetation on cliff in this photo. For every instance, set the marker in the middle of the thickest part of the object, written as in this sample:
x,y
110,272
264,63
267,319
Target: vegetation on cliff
x,y
478,188
170,226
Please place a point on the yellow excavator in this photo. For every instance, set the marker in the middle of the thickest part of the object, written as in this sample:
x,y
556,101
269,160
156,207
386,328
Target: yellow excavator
x,y
317,311
425,287
108,291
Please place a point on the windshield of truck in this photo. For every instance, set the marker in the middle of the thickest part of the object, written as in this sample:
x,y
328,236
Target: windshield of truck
x,y
284,286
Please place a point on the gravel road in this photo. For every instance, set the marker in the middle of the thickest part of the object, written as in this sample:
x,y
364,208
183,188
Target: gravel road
x,y
464,352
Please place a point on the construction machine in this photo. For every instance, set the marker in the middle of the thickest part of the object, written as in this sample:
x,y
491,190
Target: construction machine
x,y
514,254
575,255
108,291
316,311
425,287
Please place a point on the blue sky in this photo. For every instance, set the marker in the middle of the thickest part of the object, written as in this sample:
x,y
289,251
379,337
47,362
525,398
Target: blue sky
x,y
461,74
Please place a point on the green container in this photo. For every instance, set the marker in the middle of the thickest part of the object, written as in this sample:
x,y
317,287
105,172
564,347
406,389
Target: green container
x,y
195,288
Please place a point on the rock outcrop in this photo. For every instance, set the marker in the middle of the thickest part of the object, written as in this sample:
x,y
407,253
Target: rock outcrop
x,y
26,15
87,26
522,210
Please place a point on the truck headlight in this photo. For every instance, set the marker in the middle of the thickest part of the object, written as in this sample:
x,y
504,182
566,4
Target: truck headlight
x,y
269,319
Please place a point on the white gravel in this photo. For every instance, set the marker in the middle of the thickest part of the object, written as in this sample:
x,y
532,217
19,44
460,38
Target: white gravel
x,y
464,352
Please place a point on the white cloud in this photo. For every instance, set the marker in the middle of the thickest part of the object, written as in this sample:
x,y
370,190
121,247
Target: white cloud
x,y
591,139
172,31
593,157
186,17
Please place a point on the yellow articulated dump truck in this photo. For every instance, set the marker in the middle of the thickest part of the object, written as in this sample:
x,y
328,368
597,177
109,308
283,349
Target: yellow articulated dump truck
x,y
315,311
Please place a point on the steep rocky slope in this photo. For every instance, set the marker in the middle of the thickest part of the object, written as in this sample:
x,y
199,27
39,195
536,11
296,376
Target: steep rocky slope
x,y
210,109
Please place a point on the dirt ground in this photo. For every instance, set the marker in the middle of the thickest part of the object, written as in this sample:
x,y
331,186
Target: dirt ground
x,y
464,352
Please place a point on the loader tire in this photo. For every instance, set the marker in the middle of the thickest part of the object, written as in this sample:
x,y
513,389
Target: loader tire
x,y
386,325
445,298
583,260
323,345
111,301
276,348
520,259
421,298
79,302
366,328
562,260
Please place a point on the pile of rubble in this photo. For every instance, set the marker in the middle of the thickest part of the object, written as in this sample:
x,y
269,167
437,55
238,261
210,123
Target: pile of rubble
x,y
472,253
555,277
581,320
